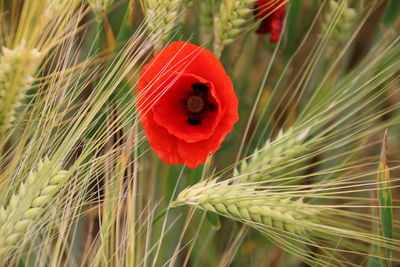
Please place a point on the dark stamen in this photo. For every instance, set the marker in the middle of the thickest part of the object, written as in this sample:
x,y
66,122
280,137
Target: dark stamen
x,y
194,121
195,104
201,87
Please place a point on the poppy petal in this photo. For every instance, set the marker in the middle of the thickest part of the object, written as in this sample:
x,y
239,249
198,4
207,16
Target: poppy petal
x,y
271,13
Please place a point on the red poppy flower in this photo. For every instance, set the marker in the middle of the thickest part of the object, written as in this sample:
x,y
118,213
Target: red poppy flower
x,y
187,104
271,13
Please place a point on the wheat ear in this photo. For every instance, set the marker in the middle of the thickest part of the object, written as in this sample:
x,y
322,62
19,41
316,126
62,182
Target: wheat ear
x,y
17,69
265,160
206,17
28,204
230,21
161,18
344,17
243,203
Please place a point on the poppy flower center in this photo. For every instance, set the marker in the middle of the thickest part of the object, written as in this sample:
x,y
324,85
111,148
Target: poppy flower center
x,y
195,104
190,109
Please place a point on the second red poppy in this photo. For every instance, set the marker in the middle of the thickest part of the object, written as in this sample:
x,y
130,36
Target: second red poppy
x,y
271,13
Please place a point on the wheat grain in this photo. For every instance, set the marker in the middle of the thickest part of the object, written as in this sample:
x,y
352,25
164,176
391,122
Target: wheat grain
x,y
17,69
28,204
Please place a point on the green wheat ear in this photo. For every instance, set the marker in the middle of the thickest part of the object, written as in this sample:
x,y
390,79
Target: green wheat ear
x,y
269,158
28,204
339,19
206,16
161,18
244,204
232,19
17,68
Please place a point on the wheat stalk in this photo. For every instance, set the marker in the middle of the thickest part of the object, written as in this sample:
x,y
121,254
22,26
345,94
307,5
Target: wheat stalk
x,y
28,204
17,69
